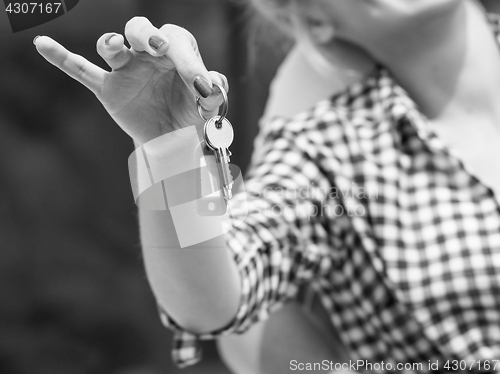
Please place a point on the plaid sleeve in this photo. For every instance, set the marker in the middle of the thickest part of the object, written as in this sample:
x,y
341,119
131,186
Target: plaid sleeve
x,y
283,242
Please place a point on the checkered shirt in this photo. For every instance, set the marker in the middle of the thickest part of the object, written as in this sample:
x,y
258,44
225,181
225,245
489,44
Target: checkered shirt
x,y
358,198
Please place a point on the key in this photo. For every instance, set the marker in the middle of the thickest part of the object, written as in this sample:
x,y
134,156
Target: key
x,y
219,135
209,202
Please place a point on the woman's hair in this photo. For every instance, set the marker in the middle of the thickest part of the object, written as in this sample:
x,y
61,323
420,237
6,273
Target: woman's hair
x,y
276,23
276,12
269,28
274,27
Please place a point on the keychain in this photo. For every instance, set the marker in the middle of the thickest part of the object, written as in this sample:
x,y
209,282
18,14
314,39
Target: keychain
x,y
218,136
209,199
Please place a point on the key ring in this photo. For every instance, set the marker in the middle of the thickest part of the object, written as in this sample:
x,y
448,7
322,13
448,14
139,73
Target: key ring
x,y
225,107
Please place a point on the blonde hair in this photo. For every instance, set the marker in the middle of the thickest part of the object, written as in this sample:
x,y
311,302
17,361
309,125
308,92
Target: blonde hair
x,y
272,8
269,30
275,13
282,15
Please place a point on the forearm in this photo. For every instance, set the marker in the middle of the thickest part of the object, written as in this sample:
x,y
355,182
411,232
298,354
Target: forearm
x,y
199,286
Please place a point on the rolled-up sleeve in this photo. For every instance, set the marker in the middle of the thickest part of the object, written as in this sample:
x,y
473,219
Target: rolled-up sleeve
x,y
283,241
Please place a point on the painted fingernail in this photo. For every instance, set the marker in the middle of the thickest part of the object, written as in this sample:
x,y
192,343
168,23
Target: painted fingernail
x,y
34,40
156,42
108,38
202,86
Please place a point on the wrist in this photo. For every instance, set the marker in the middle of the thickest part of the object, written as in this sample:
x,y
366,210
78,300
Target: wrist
x,y
167,173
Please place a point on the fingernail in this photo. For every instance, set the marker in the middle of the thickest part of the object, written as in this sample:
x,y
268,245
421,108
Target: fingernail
x,y
108,38
34,40
202,86
156,42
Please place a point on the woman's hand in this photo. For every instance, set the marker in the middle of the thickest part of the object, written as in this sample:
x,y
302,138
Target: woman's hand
x,y
152,87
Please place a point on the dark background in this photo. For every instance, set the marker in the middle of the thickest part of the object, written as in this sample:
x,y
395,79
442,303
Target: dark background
x,y
73,293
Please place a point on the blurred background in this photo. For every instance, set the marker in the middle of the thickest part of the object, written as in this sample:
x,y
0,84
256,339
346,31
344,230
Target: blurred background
x,y
73,293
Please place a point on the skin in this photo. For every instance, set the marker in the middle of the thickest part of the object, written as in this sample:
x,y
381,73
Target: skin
x,y
427,45
439,50
442,53
148,94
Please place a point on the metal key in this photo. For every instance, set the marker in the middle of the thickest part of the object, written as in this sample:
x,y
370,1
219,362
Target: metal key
x,y
219,135
209,201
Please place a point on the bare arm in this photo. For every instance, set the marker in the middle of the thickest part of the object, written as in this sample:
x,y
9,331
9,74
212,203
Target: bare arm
x,y
150,92
199,286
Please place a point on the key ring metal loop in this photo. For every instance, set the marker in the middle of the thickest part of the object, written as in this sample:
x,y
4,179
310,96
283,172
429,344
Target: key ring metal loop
x,y
225,106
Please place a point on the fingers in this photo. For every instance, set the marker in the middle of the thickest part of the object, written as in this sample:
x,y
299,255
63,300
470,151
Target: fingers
x,y
72,64
178,47
144,37
112,49
211,104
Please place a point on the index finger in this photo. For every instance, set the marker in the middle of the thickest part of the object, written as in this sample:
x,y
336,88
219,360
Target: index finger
x,y
77,67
